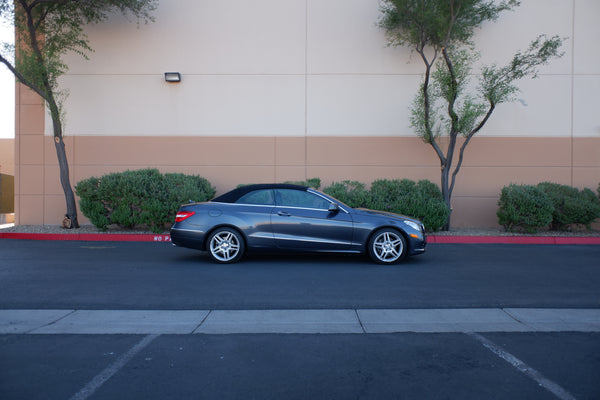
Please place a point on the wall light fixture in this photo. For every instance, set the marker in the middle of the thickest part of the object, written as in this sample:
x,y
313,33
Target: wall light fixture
x,y
172,77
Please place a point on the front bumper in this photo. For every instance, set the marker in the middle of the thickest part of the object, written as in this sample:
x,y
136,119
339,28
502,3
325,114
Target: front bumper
x,y
417,246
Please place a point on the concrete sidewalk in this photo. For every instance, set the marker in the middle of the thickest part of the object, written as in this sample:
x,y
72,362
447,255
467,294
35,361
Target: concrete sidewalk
x,y
359,321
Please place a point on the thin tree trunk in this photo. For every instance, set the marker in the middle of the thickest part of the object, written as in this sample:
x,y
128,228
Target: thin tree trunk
x,y
446,193
63,165
70,220
47,93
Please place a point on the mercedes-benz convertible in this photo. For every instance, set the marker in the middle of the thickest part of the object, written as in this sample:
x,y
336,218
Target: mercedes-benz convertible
x,y
291,218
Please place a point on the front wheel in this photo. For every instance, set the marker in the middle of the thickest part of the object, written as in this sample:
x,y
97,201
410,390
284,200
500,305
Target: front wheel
x,y
387,246
226,246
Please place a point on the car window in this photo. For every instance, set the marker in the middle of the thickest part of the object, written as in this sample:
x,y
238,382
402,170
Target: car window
x,y
299,198
262,197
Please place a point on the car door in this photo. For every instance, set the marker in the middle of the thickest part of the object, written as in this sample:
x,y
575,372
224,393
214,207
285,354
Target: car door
x,y
301,220
252,214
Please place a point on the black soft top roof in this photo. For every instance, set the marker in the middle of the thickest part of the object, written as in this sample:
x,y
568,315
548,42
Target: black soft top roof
x,y
233,195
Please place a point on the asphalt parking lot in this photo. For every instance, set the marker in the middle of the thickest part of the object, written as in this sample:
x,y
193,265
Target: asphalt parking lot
x,y
461,321
375,366
157,276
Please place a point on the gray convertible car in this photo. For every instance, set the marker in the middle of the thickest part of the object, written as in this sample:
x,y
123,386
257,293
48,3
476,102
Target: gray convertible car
x,y
292,218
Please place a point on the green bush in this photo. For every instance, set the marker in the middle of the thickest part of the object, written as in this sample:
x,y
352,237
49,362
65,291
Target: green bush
x,y
571,206
524,208
353,193
422,200
142,197
314,183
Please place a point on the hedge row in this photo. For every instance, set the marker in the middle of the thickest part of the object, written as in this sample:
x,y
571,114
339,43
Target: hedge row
x,y
150,199
147,198
139,198
422,200
529,208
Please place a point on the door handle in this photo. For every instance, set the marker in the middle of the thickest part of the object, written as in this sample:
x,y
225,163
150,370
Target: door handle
x,y
284,214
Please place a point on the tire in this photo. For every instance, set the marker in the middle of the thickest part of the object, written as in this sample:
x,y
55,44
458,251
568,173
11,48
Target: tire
x,y
226,246
387,246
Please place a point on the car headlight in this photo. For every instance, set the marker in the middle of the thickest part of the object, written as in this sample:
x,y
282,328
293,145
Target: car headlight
x,y
413,225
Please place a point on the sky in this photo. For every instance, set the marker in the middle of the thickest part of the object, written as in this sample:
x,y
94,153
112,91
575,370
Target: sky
x,y
7,91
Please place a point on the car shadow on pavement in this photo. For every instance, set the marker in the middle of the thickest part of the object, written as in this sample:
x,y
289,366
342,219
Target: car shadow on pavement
x,y
298,259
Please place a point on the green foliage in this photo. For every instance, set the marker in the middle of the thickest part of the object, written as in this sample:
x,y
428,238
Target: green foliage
x,y
48,30
496,84
314,183
436,23
524,208
352,193
422,200
571,206
60,23
7,19
441,33
142,197
559,207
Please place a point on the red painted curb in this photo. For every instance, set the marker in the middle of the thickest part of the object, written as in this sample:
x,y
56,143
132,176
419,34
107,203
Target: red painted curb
x,y
90,237
124,237
514,239
577,240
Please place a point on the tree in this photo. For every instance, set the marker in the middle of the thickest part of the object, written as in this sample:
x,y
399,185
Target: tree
x,y
46,30
441,32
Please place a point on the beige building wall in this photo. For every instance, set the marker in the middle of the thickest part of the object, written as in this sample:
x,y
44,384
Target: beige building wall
x,y
490,164
276,90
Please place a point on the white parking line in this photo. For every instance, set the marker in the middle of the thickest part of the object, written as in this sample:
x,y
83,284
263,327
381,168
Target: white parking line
x,y
112,369
547,384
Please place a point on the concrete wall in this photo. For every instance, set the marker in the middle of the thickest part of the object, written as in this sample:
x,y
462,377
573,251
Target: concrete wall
x,y
276,90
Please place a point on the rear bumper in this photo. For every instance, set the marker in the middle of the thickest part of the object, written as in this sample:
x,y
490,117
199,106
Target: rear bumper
x,y
187,238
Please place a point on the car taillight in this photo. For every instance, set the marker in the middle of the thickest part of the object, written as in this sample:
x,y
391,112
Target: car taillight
x,y
183,215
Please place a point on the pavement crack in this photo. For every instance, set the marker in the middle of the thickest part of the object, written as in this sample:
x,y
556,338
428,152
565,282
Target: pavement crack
x,y
201,322
52,322
359,321
505,311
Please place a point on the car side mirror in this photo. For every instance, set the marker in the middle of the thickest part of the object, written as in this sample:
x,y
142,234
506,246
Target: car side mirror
x,y
333,208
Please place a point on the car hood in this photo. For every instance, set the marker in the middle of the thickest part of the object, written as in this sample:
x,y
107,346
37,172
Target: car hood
x,y
366,211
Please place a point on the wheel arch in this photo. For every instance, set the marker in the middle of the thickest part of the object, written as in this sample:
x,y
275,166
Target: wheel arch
x,y
378,228
214,228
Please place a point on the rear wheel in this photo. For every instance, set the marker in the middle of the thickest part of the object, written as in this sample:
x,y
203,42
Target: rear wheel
x,y
226,246
387,246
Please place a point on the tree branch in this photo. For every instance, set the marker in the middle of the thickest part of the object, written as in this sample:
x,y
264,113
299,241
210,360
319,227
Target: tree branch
x,y
453,89
38,2
484,120
21,78
430,138
466,143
